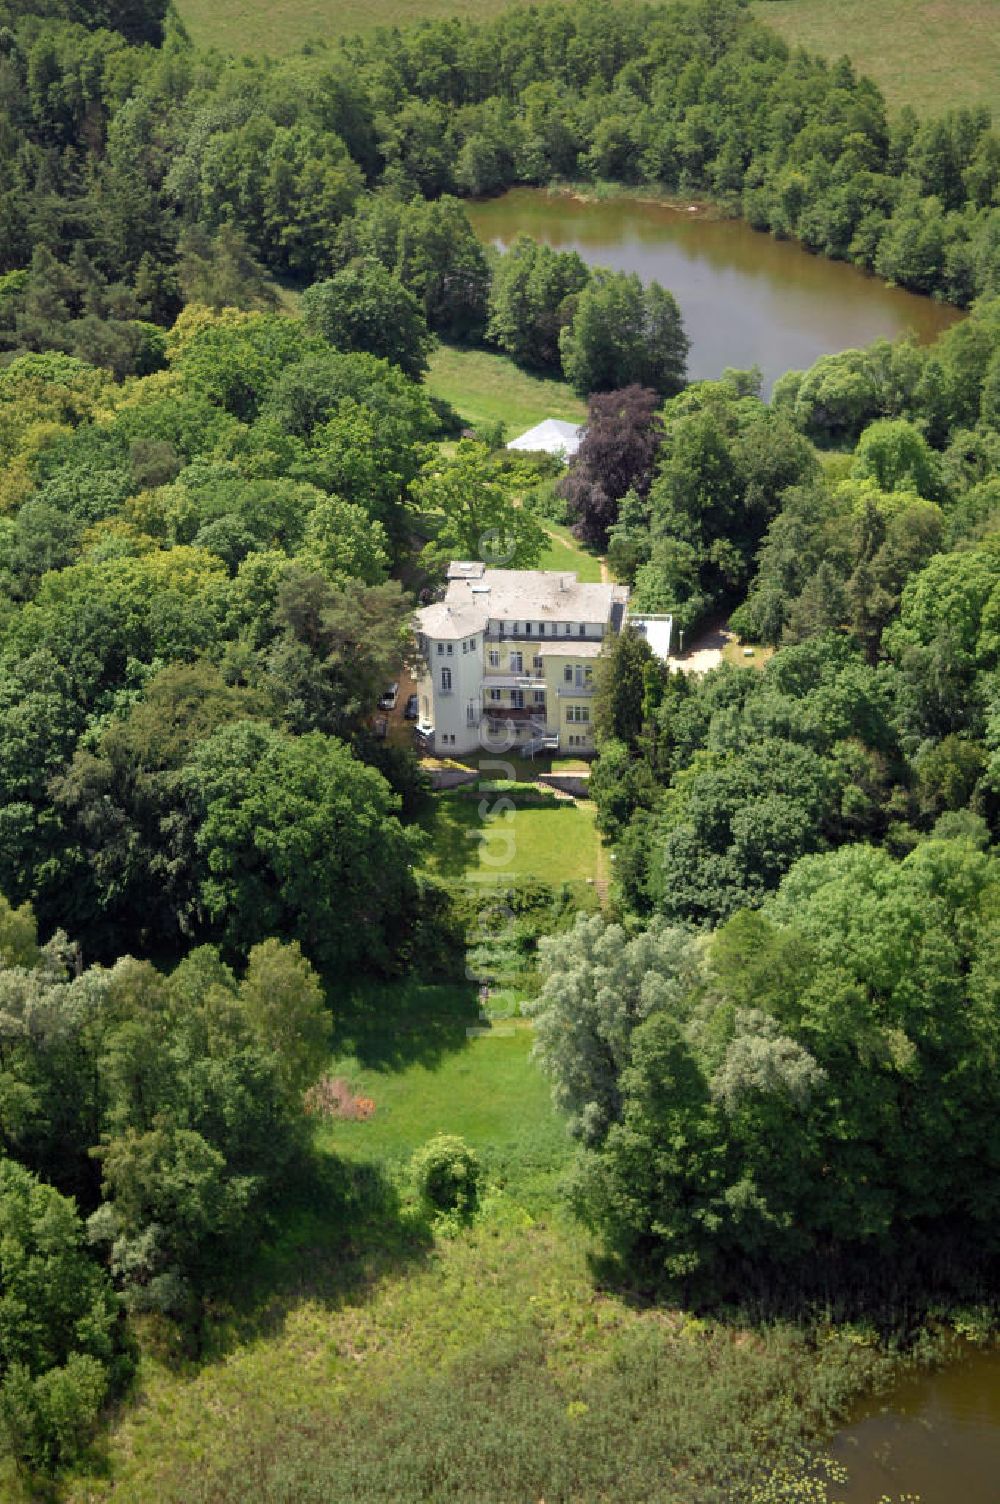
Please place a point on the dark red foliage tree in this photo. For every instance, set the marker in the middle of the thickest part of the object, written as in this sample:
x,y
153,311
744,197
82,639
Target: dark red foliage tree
x,y
618,452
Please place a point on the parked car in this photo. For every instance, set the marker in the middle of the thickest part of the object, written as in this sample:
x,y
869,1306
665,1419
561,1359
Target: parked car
x,y
412,711
388,700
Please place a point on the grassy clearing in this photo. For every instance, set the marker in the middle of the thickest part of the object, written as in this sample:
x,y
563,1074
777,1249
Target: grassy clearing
x,y
734,653
564,552
550,845
486,388
924,53
488,1091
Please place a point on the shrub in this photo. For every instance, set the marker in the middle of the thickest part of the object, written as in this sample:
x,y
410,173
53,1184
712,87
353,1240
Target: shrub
x,y
446,1174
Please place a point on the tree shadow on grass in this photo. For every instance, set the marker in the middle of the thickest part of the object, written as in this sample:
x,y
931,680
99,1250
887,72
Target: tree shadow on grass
x,y
391,1025
453,828
339,1228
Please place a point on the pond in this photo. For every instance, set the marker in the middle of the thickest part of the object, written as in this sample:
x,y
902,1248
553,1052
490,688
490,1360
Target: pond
x,y
746,299
936,1435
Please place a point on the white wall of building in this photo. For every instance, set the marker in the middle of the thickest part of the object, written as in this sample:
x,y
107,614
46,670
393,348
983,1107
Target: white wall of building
x,y
453,686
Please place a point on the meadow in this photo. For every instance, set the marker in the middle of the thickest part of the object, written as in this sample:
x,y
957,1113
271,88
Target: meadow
x,y
487,388
250,26
927,54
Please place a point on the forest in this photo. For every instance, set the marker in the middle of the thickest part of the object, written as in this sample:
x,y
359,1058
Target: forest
x,y
224,484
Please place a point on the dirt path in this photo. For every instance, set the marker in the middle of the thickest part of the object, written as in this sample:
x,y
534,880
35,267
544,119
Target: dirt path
x,y
605,574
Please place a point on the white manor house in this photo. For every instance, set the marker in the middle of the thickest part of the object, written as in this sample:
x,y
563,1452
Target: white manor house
x,y
509,658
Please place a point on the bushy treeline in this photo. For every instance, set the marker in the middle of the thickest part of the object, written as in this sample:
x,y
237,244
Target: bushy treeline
x,y
148,1122
136,177
802,1104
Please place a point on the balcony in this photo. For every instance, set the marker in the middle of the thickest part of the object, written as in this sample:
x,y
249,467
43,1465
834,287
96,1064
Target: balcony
x,y
517,713
554,632
494,679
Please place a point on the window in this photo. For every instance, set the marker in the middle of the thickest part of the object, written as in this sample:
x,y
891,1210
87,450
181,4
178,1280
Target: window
x,y
446,680
472,644
494,658
539,697
465,646
582,629
568,674
516,663
568,628
450,648
470,713
440,649
495,696
527,629
537,664
578,713
541,629
517,699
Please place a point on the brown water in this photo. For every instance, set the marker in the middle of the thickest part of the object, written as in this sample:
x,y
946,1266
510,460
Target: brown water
x,y
746,299
937,1436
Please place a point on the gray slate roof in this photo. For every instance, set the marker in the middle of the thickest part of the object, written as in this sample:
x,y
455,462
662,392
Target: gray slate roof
x,y
532,595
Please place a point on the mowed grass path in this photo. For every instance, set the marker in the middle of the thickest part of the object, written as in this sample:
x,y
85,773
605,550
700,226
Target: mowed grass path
x,y
934,55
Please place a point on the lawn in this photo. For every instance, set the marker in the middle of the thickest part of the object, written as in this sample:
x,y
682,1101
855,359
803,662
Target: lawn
x,y
553,845
487,388
930,55
497,765
564,552
489,1091
734,652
